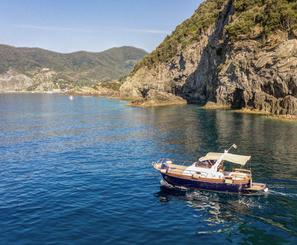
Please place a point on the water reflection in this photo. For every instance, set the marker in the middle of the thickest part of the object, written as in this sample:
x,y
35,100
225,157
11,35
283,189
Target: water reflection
x,y
231,213
189,132
95,154
216,208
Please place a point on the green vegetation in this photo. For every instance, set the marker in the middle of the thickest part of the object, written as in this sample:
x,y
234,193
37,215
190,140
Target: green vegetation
x,y
185,34
114,85
84,83
262,17
82,67
250,19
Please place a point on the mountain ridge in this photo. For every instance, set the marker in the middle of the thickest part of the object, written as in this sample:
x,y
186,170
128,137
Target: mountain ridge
x,y
65,69
72,52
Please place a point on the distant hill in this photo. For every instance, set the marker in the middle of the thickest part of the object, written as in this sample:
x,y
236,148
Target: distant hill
x,y
22,68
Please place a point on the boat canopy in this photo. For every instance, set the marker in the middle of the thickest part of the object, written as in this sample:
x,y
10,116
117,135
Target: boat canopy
x,y
239,159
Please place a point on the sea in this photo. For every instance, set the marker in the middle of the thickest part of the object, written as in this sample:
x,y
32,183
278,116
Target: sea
x,y
80,172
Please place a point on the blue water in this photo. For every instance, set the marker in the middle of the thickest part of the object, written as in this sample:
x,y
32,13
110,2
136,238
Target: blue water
x,y
79,172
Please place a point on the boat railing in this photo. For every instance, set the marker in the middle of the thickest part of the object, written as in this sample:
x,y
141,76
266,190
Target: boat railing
x,y
168,166
175,171
162,160
166,160
242,170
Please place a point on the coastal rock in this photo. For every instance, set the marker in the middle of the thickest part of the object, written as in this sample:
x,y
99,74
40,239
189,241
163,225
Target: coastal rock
x,y
158,98
168,78
45,80
259,79
13,81
255,70
40,81
93,91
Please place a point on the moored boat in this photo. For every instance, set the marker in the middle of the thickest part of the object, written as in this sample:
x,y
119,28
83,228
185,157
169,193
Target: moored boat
x,y
209,173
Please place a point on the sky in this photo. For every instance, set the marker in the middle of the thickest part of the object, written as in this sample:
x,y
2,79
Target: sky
x,y
91,25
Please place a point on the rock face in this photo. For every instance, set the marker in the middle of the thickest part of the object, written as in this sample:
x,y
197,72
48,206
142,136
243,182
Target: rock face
x,y
40,81
109,89
255,70
158,98
13,81
260,78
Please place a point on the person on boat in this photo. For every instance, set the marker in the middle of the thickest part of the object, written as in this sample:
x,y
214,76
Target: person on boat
x,y
205,164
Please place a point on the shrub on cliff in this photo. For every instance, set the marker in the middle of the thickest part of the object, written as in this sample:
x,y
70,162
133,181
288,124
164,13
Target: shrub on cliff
x,y
185,34
267,15
249,19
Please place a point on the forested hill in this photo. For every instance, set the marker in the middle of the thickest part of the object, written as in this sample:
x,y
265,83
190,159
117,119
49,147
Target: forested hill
x,y
19,65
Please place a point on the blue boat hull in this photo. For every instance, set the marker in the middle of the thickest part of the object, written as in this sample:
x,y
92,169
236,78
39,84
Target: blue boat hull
x,y
202,185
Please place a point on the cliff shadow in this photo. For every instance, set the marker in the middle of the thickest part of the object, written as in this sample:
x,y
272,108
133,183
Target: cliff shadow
x,y
200,86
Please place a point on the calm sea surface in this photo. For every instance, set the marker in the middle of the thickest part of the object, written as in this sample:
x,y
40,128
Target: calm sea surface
x,y
79,172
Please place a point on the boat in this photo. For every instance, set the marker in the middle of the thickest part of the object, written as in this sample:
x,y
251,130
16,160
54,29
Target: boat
x,y
208,173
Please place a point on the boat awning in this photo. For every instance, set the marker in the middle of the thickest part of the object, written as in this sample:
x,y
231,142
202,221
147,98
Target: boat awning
x,y
238,159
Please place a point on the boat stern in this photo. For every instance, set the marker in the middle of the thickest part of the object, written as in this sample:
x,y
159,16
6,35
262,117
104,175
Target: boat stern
x,y
257,188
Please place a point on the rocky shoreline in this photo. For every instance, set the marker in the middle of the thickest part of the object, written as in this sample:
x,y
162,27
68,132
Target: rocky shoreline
x,y
286,117
158,99
87,91
268,115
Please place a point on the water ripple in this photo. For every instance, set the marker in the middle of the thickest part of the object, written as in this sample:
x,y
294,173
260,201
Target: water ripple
x,y
79,172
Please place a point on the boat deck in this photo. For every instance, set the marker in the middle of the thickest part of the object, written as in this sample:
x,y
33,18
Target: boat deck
x,y
238,174
257,187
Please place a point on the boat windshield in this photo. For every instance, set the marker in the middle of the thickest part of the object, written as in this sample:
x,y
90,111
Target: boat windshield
x,y
205,164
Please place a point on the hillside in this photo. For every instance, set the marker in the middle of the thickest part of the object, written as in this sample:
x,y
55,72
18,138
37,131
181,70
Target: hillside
x,y
39,69
230,53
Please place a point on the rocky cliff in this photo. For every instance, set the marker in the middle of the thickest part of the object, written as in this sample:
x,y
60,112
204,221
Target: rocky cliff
x,y
230,53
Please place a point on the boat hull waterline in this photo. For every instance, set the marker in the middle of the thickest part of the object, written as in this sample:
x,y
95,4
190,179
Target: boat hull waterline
x,y
219,187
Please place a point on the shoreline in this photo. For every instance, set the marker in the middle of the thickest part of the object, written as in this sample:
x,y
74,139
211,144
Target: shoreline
x,y
32,92
212,106
151,104
290,118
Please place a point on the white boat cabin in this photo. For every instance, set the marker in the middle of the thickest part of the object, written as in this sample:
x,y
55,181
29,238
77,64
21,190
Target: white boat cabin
x,y
212,165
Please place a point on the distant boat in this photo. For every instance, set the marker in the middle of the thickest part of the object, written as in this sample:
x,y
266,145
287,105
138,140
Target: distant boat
x,y
208,173
71,97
